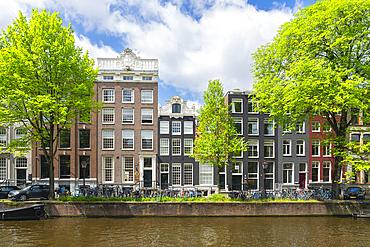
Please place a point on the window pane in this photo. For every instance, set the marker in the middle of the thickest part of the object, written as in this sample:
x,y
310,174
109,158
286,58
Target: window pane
x,y
84,138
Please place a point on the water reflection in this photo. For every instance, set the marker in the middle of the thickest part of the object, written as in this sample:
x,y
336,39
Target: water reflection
x,y
202,231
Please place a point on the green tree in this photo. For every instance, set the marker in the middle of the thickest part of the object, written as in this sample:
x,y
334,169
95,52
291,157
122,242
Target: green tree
x,y
45,81
318,62
216,139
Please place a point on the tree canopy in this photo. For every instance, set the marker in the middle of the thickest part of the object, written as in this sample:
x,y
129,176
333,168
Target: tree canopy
x,y
319,62
216,139
45,81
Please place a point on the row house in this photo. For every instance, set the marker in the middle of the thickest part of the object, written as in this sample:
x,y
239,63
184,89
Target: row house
x,y
15,168
176,135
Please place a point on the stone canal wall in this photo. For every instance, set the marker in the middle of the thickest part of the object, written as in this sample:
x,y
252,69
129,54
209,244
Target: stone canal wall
x,y
130,209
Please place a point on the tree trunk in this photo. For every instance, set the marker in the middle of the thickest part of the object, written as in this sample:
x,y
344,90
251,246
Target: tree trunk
x,y
218,180
50,163
335,186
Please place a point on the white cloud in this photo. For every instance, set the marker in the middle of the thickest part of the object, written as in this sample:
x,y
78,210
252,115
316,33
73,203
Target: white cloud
x,y
216,44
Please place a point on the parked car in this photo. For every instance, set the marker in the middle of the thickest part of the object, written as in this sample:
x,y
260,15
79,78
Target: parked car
x,y
35,191
5,189
354,193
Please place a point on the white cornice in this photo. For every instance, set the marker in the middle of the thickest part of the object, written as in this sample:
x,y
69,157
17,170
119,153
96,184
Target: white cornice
x,y
167,109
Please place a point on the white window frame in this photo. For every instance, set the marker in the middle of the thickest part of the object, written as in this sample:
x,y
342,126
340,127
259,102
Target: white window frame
x,y
105,136
268,141
188,172
254,175
255,147
3,135
236,100
132,96
146,99
287,171
176,174
147,115
188,144
188,127
300,130
128,170
326,147
240,169
326,165
164,127
108,112
146,133
287,147
3,170
316,165
298,147
205,170
104,169
164,148
178,141
21,162
316,144
251,124
239,120
254,106
315,126
173,128
124,111
108,98
268,121
128,137
286,129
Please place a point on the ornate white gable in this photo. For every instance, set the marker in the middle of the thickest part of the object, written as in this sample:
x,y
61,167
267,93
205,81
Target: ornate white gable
x,y
167,109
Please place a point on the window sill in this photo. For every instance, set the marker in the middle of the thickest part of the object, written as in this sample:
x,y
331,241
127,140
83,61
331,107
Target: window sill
x,y
128,123
131,149
107,123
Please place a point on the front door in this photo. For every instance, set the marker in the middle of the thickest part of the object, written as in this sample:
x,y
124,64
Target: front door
x,y
302,180
21,177
147,178
164,181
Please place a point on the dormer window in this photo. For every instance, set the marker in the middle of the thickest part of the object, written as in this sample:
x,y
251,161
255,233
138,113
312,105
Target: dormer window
x,y
176,108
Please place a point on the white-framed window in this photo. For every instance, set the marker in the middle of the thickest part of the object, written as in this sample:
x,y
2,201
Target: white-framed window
x,y
147,96
287,147
252,106
237,168
176,128
128,169
2,168
326,171
253,169
188,174
238,124
108,139
326,150
300,127
108,95
326,127
268,148
269,176
252,126
315,147
288,173
253,149
127,78
176,174
268,127
21,162
176,146
108,115
286,129
2,137
315,171
188,127
19,133
127,115
128,139
108,168
127,96
147,139
176,108
147,78
205,174
164,146
147,116
315,126
107,77
188,146
237,106
300,147
164,127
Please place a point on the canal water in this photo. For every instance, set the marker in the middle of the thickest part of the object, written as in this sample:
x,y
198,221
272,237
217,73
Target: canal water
x,y
195,231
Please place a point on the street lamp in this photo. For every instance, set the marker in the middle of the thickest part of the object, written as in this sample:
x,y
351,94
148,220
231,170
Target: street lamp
x,y
84,165
264,166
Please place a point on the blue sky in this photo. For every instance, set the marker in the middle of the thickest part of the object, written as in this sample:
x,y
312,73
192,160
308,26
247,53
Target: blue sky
x,y
194,40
